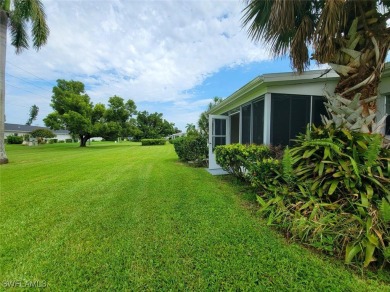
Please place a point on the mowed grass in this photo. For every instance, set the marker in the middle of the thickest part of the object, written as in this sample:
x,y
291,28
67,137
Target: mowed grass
x,y
127,217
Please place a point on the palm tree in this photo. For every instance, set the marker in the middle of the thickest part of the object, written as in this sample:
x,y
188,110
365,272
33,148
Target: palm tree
x,y
16,16
350,35
190,128
203,122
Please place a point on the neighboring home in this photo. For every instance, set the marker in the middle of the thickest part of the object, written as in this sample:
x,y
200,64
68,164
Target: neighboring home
x,y
176,135
21,130
274,108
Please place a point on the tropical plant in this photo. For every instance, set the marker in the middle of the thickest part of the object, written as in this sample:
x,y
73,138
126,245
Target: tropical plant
x,y
332,192
190,129
203,122
350,35
16,15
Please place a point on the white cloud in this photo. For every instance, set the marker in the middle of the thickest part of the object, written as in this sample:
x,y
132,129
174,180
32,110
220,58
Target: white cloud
x,y
153,52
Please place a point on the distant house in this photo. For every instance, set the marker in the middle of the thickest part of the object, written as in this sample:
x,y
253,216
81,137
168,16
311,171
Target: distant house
x,y
21,130
176,135
274,108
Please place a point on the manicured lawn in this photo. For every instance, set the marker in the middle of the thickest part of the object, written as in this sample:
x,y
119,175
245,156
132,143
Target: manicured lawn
x,y
122,216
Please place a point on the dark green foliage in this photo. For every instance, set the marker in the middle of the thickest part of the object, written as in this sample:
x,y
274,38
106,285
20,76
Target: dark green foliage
x,y
203,122
192,148
34,110
73,110
14,139
149,142
151,126
237,158
332,192
42,133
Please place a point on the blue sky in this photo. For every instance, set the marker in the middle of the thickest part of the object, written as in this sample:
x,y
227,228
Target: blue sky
x,y
169,56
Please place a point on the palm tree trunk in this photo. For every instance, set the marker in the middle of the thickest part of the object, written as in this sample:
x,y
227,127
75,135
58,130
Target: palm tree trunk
x,y
3,47
359,63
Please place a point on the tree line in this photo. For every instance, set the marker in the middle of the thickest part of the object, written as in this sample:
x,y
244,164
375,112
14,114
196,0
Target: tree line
x,y
74,111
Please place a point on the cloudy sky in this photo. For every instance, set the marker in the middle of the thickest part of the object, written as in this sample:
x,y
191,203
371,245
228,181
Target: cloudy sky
x,y
169,56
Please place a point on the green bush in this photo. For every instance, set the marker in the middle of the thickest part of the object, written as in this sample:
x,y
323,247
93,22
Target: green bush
x,y
331,191
42,133
192,148
14,139
149,142
237,158
68,140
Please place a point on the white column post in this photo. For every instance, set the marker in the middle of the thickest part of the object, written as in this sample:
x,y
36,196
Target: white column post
x,y
267,119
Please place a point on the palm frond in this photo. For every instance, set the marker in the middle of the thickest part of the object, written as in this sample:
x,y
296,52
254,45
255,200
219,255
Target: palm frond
x,y
40,29
19,37
26,11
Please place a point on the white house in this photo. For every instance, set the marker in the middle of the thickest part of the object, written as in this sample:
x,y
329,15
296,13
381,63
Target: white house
x,y
274,108
21,130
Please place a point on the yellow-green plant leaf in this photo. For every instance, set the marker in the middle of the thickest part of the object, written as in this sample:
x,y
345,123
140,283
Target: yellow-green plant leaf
x,y
321,168
369,257
373,239
351,251
338,174
370,191
364,200
326,152
333,186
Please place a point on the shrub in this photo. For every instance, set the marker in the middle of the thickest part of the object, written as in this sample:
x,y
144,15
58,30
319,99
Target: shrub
x,y
42,133
331,191
149,142
237,158
192,148
68,140
14,139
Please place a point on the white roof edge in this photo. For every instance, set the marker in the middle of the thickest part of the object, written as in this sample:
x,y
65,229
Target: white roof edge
x,y
275,77
283,76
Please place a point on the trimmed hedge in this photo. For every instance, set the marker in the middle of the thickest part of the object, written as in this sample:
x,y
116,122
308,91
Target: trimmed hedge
x,y
14,139
150,142
192,148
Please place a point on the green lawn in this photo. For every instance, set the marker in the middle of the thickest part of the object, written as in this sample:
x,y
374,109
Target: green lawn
x,y
121,216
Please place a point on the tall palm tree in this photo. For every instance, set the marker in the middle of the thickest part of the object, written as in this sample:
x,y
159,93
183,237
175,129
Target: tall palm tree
x,y
203,122
16,15
350,35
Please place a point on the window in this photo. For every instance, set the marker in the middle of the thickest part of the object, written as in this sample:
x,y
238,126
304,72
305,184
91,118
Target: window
x,y
235,128
246,112
219,134
290,115
318,110
258,122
